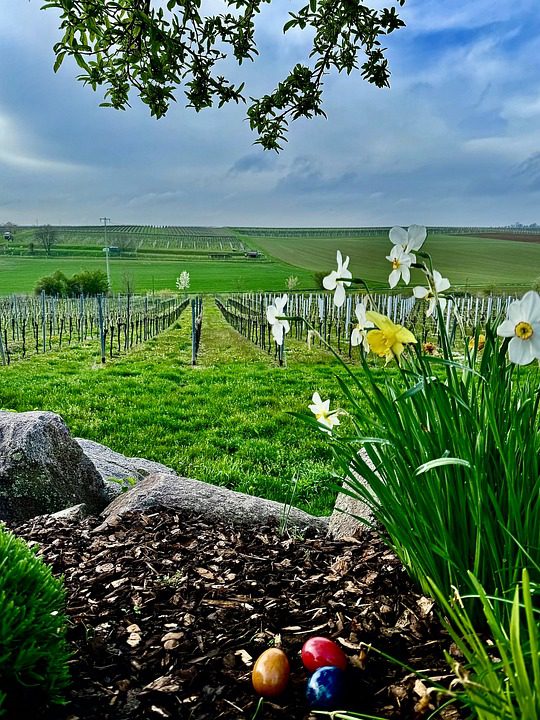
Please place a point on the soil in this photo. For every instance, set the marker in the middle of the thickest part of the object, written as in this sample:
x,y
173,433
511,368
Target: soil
x,y
516,237
167,615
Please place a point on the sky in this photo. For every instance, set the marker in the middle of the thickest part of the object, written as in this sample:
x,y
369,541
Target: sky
x,y
454,141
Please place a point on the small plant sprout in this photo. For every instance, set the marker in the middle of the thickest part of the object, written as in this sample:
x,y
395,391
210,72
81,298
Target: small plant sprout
x,y
522,325
292,282
326,418
436,285
359,333
338,279
389,339
183,280
274,315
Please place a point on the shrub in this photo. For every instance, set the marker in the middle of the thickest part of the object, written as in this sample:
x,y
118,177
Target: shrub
x,y
33,649
88,282
54,285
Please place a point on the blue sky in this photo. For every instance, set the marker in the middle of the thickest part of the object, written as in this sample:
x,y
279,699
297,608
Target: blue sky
x,y
456,140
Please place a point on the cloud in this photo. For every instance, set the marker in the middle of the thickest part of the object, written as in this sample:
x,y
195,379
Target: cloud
x,y
254,163
16,152
455,140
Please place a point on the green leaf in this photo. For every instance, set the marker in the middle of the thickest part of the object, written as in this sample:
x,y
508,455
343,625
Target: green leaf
x,y
439,462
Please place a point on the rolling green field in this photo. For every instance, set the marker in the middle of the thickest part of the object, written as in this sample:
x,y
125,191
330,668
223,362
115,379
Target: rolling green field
x,y
224,421
474,262
470,262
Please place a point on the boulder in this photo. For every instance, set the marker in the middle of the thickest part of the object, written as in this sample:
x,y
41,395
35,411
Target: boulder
x,y
43,469
111,464
210,502
344,521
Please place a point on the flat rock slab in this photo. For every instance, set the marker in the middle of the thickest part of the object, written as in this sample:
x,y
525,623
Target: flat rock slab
x,y
351,516
42,468
209,502
111,464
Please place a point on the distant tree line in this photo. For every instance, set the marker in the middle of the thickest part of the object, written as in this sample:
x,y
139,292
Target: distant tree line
x,y
88,282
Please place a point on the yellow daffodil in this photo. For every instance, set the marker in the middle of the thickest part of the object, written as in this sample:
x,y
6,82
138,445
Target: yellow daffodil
x,y
389,339
479,344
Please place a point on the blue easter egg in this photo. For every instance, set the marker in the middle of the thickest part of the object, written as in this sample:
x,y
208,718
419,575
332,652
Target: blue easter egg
x,y
325,688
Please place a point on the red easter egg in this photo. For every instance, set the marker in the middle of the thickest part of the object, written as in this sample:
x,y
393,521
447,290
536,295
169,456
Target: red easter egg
x,y
321,652
270,673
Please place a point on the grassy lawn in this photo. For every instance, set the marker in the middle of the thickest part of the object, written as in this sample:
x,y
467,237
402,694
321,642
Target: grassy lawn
x,y
20,274
224,421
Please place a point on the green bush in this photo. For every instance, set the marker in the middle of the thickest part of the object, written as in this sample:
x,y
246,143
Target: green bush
x,y
54,285
33,648
87,282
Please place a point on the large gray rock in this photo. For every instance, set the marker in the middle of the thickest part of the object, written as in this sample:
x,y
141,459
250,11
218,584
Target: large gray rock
x,y
111,464
210,502
42,468
349,513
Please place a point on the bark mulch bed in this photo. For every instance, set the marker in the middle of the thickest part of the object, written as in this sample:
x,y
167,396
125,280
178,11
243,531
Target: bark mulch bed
x,y
167,615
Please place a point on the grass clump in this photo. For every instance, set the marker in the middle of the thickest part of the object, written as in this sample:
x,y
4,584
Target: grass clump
x,y
33,649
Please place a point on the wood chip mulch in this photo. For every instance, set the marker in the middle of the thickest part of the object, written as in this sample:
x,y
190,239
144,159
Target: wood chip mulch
x,y
167,615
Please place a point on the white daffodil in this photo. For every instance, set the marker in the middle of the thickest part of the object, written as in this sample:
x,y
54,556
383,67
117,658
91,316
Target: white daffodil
x,y
325,417
337,280
274,315
401,265
411,239
359,333
522,324
437,285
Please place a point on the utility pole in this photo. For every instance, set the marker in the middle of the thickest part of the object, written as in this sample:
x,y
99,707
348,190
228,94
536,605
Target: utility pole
x,y
106,220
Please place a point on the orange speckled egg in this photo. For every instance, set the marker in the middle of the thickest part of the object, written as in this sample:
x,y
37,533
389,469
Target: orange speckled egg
x,y
270,673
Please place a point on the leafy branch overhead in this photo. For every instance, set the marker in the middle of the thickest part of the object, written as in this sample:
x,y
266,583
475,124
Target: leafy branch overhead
x,y
155,48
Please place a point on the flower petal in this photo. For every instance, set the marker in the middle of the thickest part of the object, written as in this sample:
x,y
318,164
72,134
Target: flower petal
x,y
507,329
329,282
271,314
406,274
420,292
355,337
393,278
398,236
520,352
416,237
404,336
530,306
277,332
339,295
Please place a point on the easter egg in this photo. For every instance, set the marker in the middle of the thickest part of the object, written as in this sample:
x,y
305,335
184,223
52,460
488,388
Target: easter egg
x,y
270,673
321,652
325,688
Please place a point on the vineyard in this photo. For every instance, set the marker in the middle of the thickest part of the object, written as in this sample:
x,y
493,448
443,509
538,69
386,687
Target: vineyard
x,y
137,237
350,232
34,325
317,312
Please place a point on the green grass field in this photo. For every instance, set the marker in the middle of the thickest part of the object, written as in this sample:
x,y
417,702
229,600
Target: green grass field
x,y
469,262
224,421
20,274
474,262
